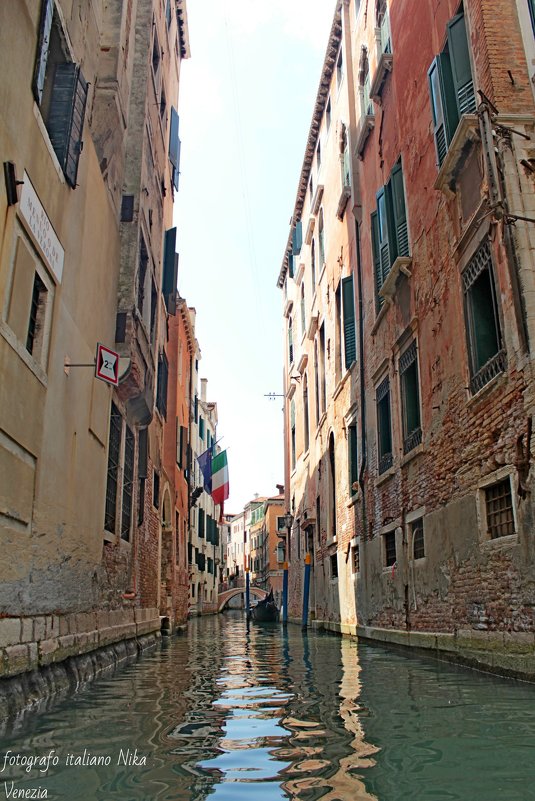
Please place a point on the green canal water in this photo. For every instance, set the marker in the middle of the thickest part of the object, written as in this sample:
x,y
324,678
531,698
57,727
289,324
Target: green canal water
x,y
257,715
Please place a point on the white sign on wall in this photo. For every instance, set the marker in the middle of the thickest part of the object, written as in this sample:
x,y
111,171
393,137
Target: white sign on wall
x,y
41,229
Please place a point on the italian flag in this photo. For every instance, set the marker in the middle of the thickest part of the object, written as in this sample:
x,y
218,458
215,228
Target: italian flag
x,y
220,485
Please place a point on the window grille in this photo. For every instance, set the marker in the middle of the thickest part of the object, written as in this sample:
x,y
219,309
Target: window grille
x,y
114,451
390,548
418,545
334,565
128,483
499,506
355,558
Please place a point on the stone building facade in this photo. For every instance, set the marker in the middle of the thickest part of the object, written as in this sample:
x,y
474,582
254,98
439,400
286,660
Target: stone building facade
x,y
90,126
414,493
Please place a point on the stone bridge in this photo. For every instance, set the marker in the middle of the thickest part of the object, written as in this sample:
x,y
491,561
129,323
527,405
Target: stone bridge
x,y
224,597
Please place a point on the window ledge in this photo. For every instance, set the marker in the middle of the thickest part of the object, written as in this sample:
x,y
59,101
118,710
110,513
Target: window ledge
x,y
354,499
417,451
318,194
365,127
509,541
384,477
321,422
310,230
401,265
303,361
21,351
288,307
299,274
466,133
343,380
493,384
342,203
312,326
384,66
381,315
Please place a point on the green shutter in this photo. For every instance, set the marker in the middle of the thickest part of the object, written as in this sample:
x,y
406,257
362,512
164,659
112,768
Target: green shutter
x,y
65,120
352,457
174,146
170,270
460,65
201,523
348,305
443,103
376,257
399,211
386,246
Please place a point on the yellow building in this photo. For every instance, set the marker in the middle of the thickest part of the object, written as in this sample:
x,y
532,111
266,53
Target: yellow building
x,y
89,167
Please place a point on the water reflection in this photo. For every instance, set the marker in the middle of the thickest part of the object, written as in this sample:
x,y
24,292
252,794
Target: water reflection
x,y
236,713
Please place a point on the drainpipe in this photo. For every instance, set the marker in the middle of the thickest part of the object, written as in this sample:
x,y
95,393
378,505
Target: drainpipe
x,y
363,443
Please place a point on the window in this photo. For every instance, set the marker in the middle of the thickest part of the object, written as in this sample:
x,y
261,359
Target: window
x,y
383,23
318,156
451,86
313,263
531,7
174,147
196,408
141,277
156,53
334,565
366,105
311,188
306,426
384,429
201,527
156,489
348,306
339,69
128,483
417,532
114,458
328,114
161,388
323,385
355,558
338,333
390,237
410,398
499,508
352,458
201,428
485,348
290,342
389,548
170,270
303,315
60,91
163,105
37,315
316,381
292,432
321,237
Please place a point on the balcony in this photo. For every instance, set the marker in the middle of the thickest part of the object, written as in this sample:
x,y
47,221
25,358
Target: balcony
x,y
384,66
466,134
365,127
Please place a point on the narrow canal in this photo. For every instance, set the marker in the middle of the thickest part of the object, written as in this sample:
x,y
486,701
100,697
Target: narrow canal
x,y
258,715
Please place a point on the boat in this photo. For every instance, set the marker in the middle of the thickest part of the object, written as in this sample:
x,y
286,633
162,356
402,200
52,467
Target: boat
x,y
266,610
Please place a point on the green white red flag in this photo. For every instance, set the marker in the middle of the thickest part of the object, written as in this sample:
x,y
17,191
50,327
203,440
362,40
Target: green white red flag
x,y
220,485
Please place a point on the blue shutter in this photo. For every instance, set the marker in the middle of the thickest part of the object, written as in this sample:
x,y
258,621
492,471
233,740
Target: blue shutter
x,y
65,121
45,27
348,305
174,146
170,270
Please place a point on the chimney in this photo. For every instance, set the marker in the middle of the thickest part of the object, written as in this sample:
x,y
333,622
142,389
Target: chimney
x,y
204,382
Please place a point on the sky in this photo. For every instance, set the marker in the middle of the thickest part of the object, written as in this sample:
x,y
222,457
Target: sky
x,y
246,99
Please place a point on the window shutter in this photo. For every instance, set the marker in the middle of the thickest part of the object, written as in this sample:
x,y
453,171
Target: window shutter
x,y
383,229
297,237
443,104
45,27
170,270
178,443
201,523
460,65
66,118
174,146
376,256
290,263
184,446
348,305
399,211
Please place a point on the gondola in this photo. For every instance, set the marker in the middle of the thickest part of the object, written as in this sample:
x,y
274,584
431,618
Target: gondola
x,y
266,610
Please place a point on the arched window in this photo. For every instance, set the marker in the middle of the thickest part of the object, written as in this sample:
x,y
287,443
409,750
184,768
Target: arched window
x,y
366,105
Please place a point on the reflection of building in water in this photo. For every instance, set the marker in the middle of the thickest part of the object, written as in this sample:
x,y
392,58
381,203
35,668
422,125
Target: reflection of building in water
x,y
327,740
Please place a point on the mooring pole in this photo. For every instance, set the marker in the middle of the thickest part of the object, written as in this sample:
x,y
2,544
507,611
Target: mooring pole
x,y
285,594
306,589
247,598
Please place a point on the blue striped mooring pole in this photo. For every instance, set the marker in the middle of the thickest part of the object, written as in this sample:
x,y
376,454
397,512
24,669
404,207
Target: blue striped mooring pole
x,y
306,591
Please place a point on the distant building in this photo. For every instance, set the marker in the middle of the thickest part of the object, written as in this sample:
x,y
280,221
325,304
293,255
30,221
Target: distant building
x,y
408,280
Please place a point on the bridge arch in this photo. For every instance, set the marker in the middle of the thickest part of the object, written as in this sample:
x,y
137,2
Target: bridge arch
x,y
224,597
